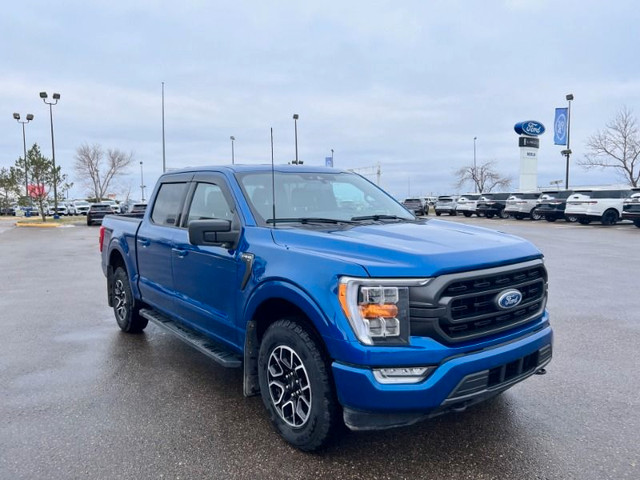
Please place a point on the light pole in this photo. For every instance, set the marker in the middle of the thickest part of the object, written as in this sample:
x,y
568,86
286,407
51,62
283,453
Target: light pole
x,y
567,152
295,122
24,144
233,155
475,168
56,97
332,157
142,182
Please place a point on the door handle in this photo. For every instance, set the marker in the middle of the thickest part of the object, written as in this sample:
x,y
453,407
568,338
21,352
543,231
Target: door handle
x,y
144,242
180,252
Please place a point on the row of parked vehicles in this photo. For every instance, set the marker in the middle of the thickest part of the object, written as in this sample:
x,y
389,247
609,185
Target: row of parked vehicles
x,y
607,206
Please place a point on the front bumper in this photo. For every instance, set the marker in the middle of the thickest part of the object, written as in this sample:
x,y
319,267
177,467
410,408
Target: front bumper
x,y
456,384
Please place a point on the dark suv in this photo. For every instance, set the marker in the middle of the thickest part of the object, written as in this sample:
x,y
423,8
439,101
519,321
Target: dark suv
x,y
552,204
492,204
97,211
631,207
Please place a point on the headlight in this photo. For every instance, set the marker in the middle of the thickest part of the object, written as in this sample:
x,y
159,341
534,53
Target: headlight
x,y
378,309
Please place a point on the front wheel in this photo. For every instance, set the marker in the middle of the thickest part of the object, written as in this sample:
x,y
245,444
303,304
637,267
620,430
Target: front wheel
x,y
124,308
296,387
504,214
489,215
535,214
610,217
467,214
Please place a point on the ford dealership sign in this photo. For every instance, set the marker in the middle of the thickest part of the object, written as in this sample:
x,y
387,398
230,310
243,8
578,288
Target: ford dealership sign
x,y
529,127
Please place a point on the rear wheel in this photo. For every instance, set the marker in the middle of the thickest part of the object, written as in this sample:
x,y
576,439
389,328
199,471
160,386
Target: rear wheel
x,y
504,214
518,217
584,221
571,218
438,213
296,387
124,308
488,215
453,213
550,219
467,214
610,217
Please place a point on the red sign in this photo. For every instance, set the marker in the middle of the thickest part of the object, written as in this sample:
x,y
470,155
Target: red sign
x,y
36,191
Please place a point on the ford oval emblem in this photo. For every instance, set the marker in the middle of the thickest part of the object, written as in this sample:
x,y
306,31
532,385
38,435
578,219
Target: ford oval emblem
x,y
509,299
529,127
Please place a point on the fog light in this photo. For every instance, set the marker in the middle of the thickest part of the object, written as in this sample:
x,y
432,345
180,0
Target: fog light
x,y
402,374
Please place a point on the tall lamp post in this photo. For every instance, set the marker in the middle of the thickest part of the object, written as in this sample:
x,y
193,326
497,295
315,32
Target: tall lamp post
x,y
24,144
475,168
56,97
567,152
295,121
233,155
142,185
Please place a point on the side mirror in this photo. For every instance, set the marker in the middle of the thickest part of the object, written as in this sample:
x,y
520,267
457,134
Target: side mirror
x,y
214,232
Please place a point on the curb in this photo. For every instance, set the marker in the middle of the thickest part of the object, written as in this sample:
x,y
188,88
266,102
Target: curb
x,y
37,225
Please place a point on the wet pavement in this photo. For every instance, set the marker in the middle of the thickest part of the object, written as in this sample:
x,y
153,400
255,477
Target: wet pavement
x,y
80,399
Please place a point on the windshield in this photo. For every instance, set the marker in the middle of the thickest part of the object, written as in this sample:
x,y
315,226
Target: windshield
x,y
341,196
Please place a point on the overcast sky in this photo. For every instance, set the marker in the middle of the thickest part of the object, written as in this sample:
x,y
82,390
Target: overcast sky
x,y
406,84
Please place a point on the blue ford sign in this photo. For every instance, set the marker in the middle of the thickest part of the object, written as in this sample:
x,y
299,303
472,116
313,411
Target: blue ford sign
x,y
509,299
529,127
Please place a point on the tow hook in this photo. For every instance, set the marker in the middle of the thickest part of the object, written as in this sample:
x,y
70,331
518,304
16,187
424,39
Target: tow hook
x,y
542,371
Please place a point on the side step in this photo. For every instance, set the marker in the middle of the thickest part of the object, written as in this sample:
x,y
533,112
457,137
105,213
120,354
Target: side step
x,y
212,349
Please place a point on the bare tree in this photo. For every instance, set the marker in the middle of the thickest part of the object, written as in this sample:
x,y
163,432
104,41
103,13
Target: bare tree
x,y
97,172
617,147
483,177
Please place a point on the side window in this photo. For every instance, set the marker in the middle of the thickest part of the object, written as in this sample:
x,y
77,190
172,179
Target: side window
x,y
166,209
209,202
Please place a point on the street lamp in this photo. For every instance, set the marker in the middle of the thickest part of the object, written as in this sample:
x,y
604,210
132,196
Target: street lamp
x,y
474,165
142,185
295,120
24,144
56,97
567,152
233,156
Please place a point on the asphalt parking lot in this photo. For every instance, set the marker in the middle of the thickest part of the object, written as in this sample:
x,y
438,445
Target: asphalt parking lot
x,y
80,399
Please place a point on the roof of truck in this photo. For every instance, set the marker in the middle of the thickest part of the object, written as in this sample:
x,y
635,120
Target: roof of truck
x,y
259,168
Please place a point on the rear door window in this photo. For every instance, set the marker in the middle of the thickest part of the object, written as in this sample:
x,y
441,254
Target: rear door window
x,y
167,207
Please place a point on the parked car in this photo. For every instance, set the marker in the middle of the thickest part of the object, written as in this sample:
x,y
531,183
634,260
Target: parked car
x,y
372,321
114,205
97,212
446,204
416,205
467,203
492,204
631,207
63,209
138,208
522,205
604,206
80,207
552,204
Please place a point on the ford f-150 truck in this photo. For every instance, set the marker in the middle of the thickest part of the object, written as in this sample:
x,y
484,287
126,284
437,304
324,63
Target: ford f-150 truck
x,y
338,303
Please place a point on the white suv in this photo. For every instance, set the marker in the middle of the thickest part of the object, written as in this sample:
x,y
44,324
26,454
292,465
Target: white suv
x,y
522,205
467,204
79,207
596,205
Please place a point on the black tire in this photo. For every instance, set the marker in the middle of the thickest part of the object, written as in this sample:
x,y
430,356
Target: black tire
x,y
535,215
503,214
124,306
453,213
584,221
488,215
518,217
289,352
467,214
571,218
88,222
550,219
610,217
438,213
636,222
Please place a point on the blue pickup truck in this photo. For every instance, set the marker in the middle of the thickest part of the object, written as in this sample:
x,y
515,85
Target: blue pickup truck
x,y
339,304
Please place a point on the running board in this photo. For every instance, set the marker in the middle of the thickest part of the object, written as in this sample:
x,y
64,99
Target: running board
x,y
212,349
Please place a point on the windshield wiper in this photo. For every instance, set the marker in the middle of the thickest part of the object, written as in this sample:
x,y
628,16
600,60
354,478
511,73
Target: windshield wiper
x,y
307,220
379,217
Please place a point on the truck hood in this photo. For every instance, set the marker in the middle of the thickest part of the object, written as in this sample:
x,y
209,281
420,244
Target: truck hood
x,y
421,249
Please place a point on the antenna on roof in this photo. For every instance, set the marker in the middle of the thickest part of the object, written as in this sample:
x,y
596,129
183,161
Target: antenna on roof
x,y
273,183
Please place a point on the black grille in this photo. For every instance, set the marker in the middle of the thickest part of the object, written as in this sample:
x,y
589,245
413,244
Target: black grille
x,y
465,305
